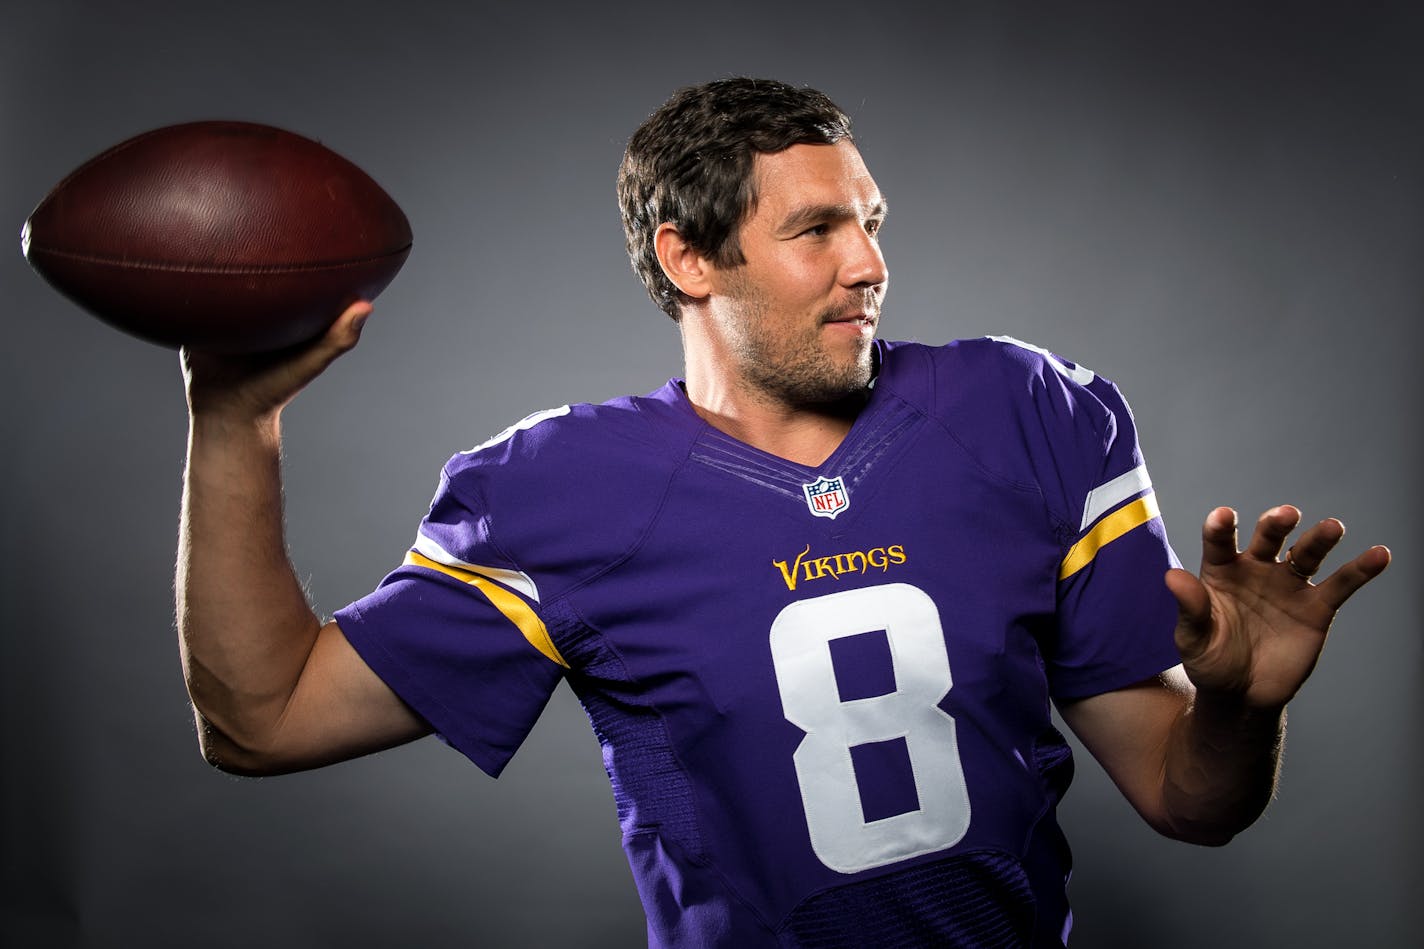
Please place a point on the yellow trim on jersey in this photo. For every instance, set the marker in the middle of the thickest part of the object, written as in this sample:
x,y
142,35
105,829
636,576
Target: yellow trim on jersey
x,y
513,608
1109,529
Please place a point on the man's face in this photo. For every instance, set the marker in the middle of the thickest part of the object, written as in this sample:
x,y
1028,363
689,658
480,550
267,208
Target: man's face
x,y
797,318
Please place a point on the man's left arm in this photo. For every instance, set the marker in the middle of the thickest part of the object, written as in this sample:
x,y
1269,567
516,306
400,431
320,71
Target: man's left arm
x,y
1196,750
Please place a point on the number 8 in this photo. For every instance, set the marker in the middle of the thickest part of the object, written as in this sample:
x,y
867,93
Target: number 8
x,y
810,698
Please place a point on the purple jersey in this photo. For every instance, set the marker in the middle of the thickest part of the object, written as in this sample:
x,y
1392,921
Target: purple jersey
x,y
822,693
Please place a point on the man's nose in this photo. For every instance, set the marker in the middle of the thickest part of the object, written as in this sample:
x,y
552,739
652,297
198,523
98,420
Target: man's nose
x,y
865,264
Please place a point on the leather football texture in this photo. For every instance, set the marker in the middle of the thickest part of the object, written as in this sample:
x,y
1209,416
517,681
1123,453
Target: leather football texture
x,y
221,236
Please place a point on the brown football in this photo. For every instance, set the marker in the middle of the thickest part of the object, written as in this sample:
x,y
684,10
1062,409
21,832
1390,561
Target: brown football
x,y
220,236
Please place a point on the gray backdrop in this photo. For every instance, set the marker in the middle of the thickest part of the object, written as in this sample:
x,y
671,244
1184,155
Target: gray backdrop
x,y
1219,206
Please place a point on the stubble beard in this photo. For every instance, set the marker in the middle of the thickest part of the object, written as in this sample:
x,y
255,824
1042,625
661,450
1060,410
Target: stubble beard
x,y
800,371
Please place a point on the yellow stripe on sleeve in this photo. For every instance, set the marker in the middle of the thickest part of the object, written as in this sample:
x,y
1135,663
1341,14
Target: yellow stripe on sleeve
x,y
514,609
1109,529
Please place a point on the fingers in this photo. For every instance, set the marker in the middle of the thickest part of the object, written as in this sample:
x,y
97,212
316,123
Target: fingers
x,y
1272,529
1303,558
1219,537
1307,554
1341,585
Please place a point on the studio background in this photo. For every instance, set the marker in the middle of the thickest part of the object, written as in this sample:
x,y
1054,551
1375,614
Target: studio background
x,y
1220,206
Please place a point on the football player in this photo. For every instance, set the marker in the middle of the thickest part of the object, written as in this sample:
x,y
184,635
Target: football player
x,y
818,594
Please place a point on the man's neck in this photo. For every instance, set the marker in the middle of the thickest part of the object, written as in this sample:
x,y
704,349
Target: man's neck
x,y
800,434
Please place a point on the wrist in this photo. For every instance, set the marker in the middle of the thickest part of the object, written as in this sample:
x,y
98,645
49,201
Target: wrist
x,y
1231,714
213,427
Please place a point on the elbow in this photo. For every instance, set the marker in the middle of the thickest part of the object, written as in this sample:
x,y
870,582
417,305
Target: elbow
x,y
1199,836
233,757
1215,830
1212,817
223,759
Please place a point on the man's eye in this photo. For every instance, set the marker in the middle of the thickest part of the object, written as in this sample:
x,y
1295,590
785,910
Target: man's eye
x,y
873,227
819,230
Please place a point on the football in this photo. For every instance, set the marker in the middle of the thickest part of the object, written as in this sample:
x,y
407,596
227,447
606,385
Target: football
x,y
227,237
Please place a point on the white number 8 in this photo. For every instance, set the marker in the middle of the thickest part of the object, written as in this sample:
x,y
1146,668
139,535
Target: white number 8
x,y
800,650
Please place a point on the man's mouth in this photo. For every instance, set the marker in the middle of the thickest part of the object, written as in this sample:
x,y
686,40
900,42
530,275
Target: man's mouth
x,y
867,314
862,319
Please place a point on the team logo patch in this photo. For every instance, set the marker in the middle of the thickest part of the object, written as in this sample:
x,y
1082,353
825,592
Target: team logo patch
x,y
826,497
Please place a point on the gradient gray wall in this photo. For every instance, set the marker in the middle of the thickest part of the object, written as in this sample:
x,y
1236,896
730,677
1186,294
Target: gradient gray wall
x,y
1219,206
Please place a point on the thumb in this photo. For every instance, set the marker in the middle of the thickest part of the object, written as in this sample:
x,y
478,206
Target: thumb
x,y
254,384
345,333
1194,623
340,338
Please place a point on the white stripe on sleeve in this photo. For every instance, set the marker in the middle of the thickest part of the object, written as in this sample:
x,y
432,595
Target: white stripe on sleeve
x,y
1107,496
514,579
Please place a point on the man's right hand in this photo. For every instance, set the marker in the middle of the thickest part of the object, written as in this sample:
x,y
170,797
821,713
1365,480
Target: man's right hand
x,y
255,386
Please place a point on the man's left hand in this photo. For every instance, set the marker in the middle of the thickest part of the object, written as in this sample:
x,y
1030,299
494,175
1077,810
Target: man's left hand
x,y
1253,625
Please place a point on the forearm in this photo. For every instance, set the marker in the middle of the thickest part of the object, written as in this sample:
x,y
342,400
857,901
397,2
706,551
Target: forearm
x,y
1220,770
244,623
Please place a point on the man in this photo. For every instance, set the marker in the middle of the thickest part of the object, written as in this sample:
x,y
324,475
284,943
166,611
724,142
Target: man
x,y
816,596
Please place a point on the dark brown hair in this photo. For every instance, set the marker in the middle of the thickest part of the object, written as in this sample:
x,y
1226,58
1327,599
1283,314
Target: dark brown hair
x,y
690,164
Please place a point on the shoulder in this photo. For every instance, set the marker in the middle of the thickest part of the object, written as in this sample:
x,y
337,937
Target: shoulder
x,y
567,489
987,382
631,437
1022,412
993,363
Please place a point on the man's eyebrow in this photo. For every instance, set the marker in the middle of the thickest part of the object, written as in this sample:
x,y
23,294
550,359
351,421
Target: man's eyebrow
x,y
810,214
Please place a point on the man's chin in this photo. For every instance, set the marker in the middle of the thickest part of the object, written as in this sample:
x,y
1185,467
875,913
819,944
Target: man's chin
x,y
848,382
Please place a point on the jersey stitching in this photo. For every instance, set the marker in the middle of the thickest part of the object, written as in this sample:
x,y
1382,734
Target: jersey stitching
x,y
457,487
700,857
1027,487
1059,526
469,742
632,549
701,861
610,649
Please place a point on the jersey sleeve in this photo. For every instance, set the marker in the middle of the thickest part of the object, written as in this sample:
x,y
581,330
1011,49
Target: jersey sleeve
x,y
456,632
1114,616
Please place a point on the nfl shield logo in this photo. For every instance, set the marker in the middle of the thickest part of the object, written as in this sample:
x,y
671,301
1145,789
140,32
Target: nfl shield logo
x,y
826,497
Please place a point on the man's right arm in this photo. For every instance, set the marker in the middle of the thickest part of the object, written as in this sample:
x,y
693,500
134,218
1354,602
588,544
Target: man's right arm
x,y
273,688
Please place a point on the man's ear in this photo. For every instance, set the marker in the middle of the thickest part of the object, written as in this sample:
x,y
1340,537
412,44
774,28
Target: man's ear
x,y
688,270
